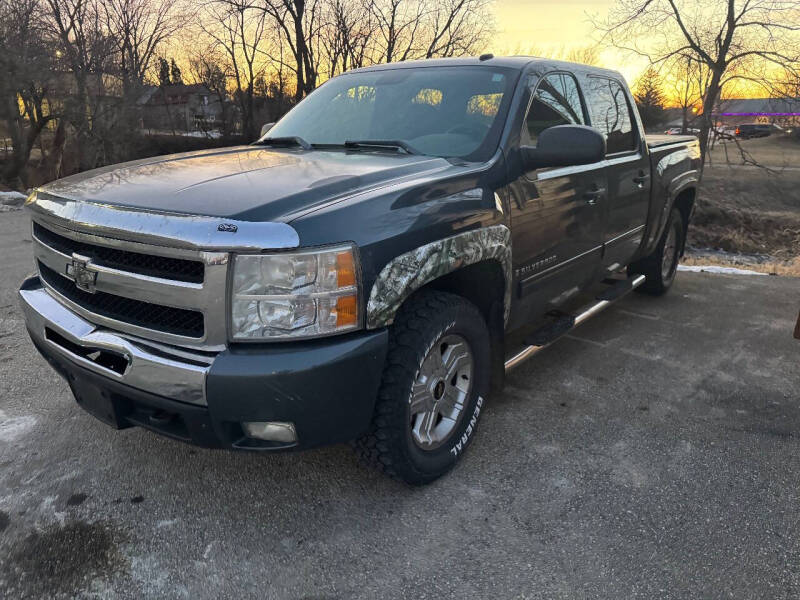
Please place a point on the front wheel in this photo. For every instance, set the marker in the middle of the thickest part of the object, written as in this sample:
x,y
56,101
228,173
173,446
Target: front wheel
x,y
660,266
433,388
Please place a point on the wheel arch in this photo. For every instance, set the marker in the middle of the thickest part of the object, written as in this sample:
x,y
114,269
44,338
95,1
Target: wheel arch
x,y
488,296
475,265
453,263
685,202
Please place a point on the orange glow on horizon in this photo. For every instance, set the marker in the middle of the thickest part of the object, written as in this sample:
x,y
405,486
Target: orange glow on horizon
x,y
556,27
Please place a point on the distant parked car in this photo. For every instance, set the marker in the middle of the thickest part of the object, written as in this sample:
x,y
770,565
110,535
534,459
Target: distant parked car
x,y
681,131
753,130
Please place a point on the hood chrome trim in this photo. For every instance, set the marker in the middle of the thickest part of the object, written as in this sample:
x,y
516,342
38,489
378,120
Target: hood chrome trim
x,y
173,230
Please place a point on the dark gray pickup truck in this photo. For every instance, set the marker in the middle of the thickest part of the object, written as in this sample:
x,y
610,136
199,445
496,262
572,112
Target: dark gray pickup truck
x,y
367,270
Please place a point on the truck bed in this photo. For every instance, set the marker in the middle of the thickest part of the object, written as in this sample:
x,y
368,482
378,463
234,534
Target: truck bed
x,y
660,139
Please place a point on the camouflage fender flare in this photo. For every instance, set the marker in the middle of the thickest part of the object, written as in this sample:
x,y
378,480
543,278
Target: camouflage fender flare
x,y
408,272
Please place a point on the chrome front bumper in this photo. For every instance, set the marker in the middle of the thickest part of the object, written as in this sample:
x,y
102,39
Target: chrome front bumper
x,y
178,375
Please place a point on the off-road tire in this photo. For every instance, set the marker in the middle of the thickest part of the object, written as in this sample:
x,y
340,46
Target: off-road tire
x,y
421,323
653,266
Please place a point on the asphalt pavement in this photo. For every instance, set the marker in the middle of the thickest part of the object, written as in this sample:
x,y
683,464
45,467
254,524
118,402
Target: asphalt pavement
x,y
652,453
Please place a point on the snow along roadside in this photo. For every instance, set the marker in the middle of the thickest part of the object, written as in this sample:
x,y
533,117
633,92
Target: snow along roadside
x,y
718,269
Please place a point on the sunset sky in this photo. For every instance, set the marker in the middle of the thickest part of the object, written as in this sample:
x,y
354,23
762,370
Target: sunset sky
x,y
526,25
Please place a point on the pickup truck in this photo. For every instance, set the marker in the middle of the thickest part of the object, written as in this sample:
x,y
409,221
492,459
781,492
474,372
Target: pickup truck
x,y
365,272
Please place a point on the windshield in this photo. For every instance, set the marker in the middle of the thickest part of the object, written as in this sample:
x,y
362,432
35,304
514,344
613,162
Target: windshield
x,y
437,111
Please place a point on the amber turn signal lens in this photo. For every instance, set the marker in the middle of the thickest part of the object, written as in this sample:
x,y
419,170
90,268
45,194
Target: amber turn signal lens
x,y
345,269
346,311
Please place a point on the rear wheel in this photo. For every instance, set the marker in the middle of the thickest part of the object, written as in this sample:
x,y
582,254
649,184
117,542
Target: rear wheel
x,y
433,388
660,266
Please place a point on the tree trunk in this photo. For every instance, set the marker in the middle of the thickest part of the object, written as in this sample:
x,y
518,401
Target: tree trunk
x,y
80,120
300,54
23,143
708,108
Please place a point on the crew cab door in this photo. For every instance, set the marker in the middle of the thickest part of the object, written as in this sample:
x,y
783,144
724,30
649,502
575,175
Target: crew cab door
x,y
627,169
557,213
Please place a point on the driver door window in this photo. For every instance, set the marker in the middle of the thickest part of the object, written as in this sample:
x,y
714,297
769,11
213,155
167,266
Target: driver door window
x,y
556,101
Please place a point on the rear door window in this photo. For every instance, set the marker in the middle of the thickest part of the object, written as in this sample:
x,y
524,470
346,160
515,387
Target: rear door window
x,y
556,101
611,114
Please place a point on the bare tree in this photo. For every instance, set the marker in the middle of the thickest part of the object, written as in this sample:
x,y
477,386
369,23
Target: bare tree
x,y
789,85
25,65
139,28
86,50
348,34
458,27
398,23
238,29
586,55
299,22
688,79
728,37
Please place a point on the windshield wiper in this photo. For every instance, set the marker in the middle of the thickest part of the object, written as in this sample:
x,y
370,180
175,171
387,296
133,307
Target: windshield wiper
x,y
292,140
396,144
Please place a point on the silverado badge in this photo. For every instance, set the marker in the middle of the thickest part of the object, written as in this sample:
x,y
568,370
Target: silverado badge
x,y
81,273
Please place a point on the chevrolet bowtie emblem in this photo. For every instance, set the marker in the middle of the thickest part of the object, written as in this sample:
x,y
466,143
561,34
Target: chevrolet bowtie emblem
x,y
81,273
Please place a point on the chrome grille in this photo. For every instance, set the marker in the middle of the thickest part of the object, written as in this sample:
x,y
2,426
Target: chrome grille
x,y
178,321
145,264
171,295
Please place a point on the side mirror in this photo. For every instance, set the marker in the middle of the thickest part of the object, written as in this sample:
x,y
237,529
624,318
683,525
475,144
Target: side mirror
x,y
564,146
265,129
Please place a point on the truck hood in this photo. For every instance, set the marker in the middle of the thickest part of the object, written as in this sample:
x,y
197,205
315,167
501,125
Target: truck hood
x,y
248,183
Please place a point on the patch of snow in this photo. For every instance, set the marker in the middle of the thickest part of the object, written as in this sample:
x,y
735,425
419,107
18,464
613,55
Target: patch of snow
x,y
211,135
14,428
717,269
12,197
11,201
734,258
166,523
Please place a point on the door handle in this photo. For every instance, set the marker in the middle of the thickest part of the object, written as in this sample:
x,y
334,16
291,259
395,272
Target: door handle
x,y
641,178
592,196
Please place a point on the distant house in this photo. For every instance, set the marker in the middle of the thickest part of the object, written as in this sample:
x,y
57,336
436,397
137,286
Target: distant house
x,y
779,111
180,108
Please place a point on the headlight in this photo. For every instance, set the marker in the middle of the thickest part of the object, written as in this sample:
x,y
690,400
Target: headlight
x,y
295,295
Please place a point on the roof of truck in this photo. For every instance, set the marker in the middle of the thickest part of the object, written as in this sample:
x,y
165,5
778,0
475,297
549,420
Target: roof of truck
x,y
513,62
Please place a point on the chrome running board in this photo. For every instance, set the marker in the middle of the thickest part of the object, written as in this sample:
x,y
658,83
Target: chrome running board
x,y
544,336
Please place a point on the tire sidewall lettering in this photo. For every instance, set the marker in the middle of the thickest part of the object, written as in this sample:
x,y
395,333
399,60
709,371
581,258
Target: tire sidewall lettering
x,y
461,444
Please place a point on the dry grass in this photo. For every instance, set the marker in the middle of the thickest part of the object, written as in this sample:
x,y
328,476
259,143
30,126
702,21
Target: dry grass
x,y
777,151
721,225
748,210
